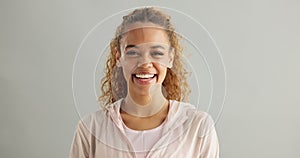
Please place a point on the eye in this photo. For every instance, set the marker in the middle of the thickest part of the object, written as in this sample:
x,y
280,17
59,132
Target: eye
x,y
157,53
131,53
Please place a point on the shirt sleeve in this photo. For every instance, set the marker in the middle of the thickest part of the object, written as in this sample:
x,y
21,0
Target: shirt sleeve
x,y
80,145
209,144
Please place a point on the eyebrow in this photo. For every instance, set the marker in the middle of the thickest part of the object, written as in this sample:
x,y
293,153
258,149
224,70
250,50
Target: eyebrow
x,y
130,46
152,47
157,46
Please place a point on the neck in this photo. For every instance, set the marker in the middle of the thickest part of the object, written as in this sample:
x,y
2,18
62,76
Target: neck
x,y
144,106
141,100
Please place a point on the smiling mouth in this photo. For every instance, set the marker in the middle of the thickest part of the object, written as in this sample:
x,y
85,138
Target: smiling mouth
x,y
144,76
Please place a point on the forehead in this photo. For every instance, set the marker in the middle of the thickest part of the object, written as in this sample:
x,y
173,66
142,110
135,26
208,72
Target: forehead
x,y
141,33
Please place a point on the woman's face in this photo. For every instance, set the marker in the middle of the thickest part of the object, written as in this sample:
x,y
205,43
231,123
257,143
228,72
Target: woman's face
x,y
144,57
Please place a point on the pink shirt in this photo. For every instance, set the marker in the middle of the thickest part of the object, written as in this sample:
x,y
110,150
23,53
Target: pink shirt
x,y
143,141
187,132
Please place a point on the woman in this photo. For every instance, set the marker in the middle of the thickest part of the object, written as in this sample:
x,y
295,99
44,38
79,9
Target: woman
x,y
143,92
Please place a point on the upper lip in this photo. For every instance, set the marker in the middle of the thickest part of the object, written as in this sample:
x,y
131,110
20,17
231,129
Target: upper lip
x,y
144,72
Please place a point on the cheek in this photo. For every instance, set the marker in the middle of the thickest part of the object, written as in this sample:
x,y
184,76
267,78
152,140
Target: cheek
x,y
126,73
127,70
163,73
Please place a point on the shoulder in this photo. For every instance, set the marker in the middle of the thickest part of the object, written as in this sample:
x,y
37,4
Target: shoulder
x,y
102,113
88,123
100,117
196,118
188,109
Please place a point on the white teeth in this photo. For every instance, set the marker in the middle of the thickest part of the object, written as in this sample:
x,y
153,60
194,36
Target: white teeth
x,y
144,75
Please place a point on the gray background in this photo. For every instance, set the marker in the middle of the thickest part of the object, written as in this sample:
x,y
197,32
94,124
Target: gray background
x,y
259,41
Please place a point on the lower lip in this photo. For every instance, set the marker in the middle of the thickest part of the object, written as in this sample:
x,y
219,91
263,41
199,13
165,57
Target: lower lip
x,y
144,81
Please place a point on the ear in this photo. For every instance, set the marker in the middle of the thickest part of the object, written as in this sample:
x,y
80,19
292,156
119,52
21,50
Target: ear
x,y
118,56
171,60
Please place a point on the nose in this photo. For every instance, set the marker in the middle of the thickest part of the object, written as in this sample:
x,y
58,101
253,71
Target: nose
x,y
145,61
145,65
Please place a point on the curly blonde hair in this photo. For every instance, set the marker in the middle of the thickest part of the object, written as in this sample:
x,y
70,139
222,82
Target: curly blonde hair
x,y
175,83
